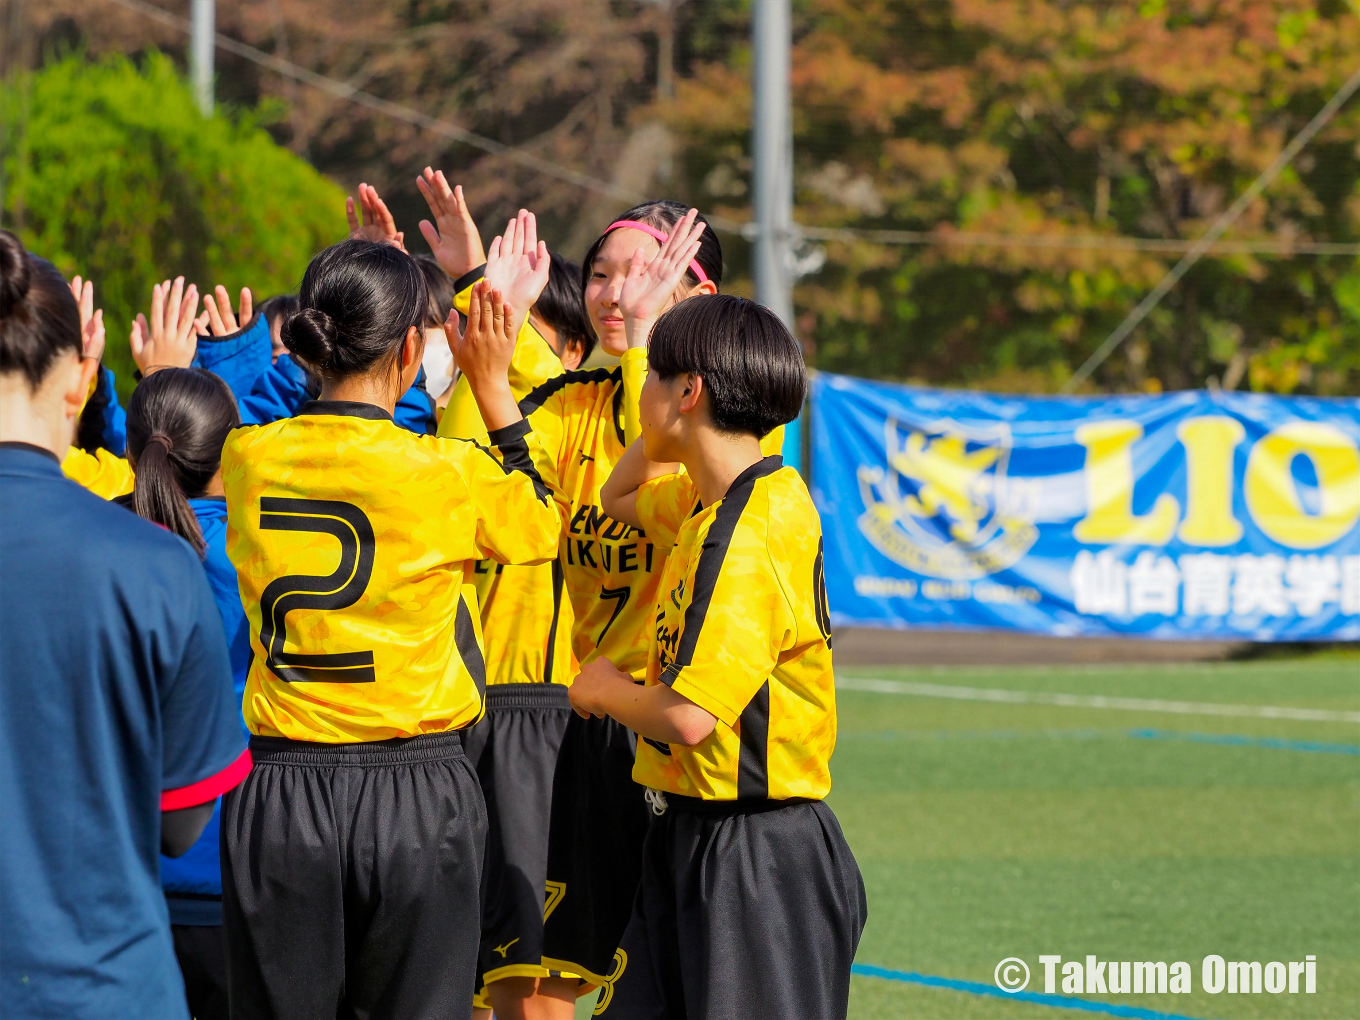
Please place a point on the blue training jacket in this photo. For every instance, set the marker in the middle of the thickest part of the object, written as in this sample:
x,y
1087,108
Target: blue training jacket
x,y
268,392
193,882
115,418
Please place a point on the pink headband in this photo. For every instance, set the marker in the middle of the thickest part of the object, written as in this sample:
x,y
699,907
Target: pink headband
x,y
647,228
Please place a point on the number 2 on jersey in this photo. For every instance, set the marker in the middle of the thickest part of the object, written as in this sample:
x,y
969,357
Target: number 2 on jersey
x,y
621,596
337,590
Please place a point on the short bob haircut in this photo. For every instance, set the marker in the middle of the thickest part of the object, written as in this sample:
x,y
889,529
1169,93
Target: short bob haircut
x,y
751,365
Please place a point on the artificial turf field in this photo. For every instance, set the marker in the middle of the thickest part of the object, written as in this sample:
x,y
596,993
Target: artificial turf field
x,y
988,830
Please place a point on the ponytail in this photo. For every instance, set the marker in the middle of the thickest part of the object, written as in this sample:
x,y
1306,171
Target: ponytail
x,y
158,496
177,421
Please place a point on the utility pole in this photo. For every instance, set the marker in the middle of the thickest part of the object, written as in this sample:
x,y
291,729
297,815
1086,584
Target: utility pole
x,y
202,45
772,156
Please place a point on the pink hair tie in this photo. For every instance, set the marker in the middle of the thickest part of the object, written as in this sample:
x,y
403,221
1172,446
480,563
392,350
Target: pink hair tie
x,y
661,236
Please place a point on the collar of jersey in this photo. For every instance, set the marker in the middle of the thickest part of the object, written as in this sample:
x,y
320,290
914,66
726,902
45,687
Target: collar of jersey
x,y
345,408
29,460
759,469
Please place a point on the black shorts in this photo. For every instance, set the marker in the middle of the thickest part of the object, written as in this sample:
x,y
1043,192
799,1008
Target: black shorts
x,y
514,751
599,821
350,880
752,911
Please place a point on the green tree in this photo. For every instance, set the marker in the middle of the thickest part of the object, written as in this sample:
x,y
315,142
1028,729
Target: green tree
x,y
110,171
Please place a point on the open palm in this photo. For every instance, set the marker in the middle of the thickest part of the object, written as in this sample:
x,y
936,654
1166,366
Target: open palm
x,y
91,319
453,236
169,339
517,265
649,287
377,223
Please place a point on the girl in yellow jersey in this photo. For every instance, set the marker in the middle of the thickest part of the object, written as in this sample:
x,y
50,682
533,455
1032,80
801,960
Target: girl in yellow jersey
x,y
751,902
526,626
585,419
352,854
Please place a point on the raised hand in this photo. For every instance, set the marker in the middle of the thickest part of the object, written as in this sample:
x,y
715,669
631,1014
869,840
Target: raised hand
x,y
453,235
377,224
91,319
170,338
517,265
483,352
649,288
220,318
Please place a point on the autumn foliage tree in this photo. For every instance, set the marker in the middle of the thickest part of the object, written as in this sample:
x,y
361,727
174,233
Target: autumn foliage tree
x,y
1079,125
1063,120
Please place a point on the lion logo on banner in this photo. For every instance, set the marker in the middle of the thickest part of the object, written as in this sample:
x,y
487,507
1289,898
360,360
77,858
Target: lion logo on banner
x,y
944,506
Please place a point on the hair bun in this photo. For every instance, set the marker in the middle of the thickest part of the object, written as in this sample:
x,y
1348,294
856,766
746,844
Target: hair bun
x,y
14,272
311,334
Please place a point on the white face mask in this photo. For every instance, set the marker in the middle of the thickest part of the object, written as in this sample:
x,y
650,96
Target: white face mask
x,y
438,364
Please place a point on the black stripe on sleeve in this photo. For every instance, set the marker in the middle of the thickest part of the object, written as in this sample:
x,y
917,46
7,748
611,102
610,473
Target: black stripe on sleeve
x,y
515,455
465,638
508,434
753,770
469,278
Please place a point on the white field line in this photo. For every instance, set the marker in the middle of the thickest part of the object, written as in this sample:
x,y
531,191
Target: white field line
x,y
1093,701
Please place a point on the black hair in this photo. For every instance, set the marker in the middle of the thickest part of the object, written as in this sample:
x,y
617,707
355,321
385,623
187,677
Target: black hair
x,y
358,300
751,365
664,214
39,317
279,306
562,307
90,430
438,289
177,421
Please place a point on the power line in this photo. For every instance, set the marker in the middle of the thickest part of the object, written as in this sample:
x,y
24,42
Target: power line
x,y
404,113
1089,242
1211,235
747,229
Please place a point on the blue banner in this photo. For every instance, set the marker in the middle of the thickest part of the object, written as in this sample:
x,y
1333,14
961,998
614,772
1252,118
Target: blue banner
x,y
1189,515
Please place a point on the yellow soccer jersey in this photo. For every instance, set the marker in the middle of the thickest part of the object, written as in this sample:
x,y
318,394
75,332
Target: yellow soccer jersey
x,y
743,631
526,617
610,570
351,539
101,472
664,504
585,420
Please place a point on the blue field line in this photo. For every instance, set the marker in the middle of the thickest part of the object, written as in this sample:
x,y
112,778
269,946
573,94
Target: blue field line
x,y
1041,998
1275,743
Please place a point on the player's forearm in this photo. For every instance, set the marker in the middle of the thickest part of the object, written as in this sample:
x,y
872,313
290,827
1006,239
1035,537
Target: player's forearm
x,y
495,402
618,497
656,712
